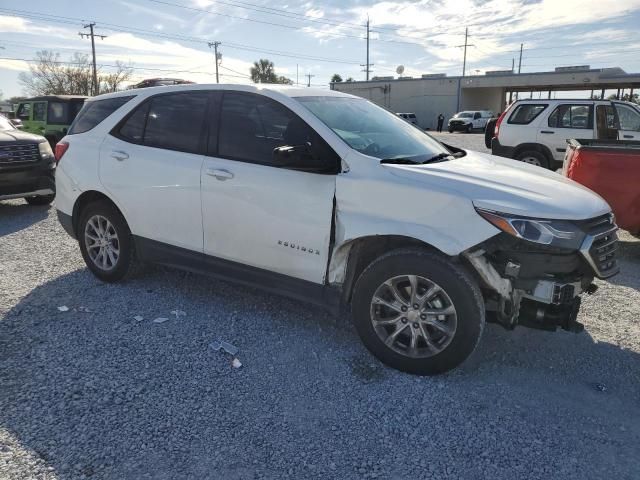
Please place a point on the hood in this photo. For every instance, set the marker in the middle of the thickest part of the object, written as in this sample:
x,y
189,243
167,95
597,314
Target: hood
x,y
12,136
508,186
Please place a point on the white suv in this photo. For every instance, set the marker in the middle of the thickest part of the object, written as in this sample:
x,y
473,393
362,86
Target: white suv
x,y
326,197
536,131
469,120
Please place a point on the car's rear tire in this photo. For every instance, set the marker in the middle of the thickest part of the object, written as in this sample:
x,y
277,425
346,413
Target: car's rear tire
x,y
533,157
41,199
433,338
106,242
489,130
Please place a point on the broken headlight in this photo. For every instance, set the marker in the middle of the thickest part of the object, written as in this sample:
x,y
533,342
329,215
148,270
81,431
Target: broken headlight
x,y
558,233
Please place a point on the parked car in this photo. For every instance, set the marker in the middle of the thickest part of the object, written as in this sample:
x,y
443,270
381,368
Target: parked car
x,y
50,115
611,168
296,191
409,117
536,131
26,165
469,120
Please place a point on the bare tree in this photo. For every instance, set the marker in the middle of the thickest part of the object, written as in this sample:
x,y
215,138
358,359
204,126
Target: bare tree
x,y
48,75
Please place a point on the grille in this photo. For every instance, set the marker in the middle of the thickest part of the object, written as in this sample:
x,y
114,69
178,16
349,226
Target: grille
x,y
19,153
601,245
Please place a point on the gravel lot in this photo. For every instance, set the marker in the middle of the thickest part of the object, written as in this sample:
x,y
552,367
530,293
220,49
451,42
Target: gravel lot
x,y
94,393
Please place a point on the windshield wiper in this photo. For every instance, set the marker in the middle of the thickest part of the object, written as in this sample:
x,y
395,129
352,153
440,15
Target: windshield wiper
x,y
441,156
400,161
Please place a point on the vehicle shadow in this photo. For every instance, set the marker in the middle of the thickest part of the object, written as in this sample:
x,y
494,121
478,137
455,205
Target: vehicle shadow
x,y
94,393
16,216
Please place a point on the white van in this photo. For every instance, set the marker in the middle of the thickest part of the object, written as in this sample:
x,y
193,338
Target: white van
x,y
536,131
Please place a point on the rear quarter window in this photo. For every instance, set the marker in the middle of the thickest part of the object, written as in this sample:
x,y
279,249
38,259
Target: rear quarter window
x,y
526,113
93,113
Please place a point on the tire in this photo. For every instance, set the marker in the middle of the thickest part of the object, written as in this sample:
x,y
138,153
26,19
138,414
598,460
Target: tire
x,y
104,267
41,199
450,130
533,157
468,129
431,270
489,130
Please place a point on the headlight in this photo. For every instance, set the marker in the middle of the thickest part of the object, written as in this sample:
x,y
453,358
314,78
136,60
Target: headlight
x,y
559,233
45,149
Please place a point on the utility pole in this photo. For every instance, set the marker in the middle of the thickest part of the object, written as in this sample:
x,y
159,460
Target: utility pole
x,y
297,83
367,66
513,64
520,61
309,77
215,51
92,35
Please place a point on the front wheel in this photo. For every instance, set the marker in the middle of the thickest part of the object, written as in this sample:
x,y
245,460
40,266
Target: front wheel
x,y
41,199
106,242
418,312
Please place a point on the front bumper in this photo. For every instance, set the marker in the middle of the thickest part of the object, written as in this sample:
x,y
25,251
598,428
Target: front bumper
x,y
459,127
22,180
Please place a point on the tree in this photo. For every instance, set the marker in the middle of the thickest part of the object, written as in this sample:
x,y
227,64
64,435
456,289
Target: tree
x,y
263,71
350,79
336,78
48,75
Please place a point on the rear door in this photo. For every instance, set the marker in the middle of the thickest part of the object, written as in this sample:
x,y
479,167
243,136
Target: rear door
x,y
566,120
629,119
520,124
151,164
255,213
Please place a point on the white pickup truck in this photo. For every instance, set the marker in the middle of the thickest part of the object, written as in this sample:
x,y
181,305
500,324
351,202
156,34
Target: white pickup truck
x,y
326,197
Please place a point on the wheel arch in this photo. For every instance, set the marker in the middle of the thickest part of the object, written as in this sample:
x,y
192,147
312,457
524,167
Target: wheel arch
x,y
85,199
350,258
536,147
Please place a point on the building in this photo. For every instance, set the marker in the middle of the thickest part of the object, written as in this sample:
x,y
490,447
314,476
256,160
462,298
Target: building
x,y
433,94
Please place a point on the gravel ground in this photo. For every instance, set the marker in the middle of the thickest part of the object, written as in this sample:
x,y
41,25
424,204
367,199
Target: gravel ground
x,y
471,141
94,393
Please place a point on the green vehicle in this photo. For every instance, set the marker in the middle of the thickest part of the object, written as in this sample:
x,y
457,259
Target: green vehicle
x,y
50,115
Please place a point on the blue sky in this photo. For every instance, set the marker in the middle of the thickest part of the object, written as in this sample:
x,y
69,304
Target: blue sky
x,y
169,37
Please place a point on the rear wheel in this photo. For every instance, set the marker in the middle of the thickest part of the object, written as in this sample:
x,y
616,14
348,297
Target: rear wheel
x,y
468,129
106,243
41,199
533,157
418,312
489,130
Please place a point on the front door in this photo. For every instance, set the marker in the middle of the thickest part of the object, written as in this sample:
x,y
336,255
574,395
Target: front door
x,y
151,166
254,213
566,121
629,119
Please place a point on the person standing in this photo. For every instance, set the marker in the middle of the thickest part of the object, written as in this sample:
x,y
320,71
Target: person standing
x,y
440,122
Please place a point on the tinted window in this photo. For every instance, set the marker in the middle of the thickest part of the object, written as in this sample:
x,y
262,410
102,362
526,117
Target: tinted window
x,y
24,111
95,112
629,118
58,112
571,116
525,113
251,126
133,128
39,111
175,121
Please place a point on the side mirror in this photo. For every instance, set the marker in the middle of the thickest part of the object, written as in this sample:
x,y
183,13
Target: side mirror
x,y
296,157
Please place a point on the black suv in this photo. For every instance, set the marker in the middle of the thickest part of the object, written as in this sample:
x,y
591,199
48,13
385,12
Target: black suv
x,y
27,166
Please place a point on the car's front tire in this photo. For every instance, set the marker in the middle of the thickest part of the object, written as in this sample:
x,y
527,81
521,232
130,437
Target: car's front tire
x,y
106,242
418,312
41,199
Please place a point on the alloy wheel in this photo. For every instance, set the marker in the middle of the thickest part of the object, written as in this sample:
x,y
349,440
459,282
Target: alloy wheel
x,y
101,240
413,316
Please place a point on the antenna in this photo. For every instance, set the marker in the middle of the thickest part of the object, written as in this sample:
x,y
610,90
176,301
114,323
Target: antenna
x,y
400,70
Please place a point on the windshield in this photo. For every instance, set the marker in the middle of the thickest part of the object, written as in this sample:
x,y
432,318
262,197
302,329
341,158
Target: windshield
x,y
5,124
372,130
463,115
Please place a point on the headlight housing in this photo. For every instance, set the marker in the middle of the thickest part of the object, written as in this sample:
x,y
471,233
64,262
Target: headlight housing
x,y
557,233
45,149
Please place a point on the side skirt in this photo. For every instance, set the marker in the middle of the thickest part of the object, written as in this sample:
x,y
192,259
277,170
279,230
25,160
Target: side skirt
x,y
152,251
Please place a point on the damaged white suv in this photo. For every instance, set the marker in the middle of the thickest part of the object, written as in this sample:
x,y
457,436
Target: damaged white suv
x,y
326,197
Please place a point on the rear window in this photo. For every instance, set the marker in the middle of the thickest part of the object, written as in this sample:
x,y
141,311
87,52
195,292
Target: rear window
x,y
571,116
526,113
95,112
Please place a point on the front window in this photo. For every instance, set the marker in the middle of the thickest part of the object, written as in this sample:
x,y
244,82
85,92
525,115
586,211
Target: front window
x,y
372,130
5,124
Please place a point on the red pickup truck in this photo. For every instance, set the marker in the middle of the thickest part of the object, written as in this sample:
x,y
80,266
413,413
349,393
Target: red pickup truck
x,y
611,168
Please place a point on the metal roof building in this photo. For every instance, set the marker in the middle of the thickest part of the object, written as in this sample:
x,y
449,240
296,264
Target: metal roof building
x,y
432,94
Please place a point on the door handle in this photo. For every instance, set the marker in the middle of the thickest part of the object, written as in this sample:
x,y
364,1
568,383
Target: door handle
x,y
220,174
627,136
119,155
549,132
